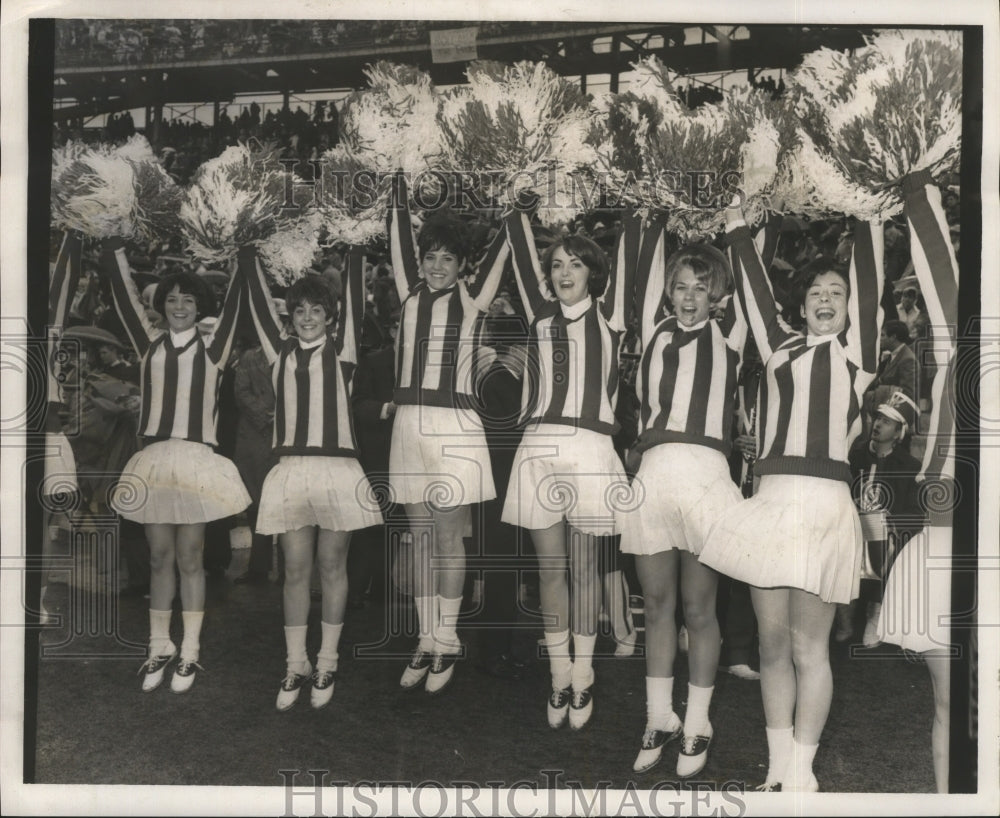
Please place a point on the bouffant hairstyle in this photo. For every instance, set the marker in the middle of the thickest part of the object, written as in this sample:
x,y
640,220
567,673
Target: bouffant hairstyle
x,y
708,264
445,233
188,284
312,289
589,252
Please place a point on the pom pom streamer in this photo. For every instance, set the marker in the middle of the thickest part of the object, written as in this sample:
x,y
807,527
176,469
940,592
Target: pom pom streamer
x,y
93,191
351,198
528,127
393,124
287,253
235,199
891,109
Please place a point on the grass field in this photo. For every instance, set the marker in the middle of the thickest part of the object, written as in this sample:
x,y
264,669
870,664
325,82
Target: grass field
x,y
94,726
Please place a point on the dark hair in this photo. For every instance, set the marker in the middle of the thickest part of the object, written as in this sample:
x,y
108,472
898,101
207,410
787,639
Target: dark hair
x,y
444,233
708,264
820,265
314,289
189,284
589,252
898,330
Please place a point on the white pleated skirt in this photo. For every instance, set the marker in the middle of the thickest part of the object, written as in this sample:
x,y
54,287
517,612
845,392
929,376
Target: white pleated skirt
x,y
330,492
682,489
561,472
916,604
439,456
59,479
797,532
179,482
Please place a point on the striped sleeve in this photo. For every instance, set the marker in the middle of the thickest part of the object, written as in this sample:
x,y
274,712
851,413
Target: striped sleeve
x,y
527,268
937,271
753,289
265,320
219,344
402,242
864,304
650,277
616,302
489,272
141,331
63,281
351,308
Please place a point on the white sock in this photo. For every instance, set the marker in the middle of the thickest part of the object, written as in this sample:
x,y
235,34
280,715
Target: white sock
x,y
779,753
800,770
696,716
191,643
327,658
427,614
660,703
446,638
583,660
159,633
560,664
296,658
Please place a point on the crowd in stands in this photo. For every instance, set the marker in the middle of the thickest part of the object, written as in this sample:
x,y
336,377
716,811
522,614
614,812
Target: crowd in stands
x,y
134,42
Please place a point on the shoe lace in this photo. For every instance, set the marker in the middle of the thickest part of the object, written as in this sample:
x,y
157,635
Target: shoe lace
x,y
321,678
291,680
560,697
580,698
184,667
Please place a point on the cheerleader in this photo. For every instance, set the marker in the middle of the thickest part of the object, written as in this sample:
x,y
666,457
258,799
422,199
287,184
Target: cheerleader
x,y
917,597
687,388
438,447
176,483
797,541
566,469
317,494
60,490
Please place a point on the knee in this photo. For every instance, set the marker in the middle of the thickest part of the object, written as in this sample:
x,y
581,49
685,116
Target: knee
x,y
188,563
810,654
775,645
699,615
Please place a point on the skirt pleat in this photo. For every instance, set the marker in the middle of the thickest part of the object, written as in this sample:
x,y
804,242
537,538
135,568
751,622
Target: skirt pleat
x,y
797,532
179,482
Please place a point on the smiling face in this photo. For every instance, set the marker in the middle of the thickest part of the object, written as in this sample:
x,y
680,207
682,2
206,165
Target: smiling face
x,y
691,297
825,306
440,268
310,321
181,310
569,276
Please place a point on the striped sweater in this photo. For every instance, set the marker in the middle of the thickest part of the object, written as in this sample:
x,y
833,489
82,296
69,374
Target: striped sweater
x,y
809,407
937,271
687,375
438,354
572,376
312,385
180,384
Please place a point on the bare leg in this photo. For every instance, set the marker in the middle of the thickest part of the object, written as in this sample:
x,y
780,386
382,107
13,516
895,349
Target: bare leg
x,y
190,562
586,582
658,577
298,549
777,674
939,665
162,558
331,558
553,591
698,586
449,549
811,620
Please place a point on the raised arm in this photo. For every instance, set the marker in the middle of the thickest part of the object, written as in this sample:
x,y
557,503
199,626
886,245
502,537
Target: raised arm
x,y
753,287
140,329
864,305
351,309
650,274
402,242
489,272
937,271
617,301
259,304
220,343
527,269
734,321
